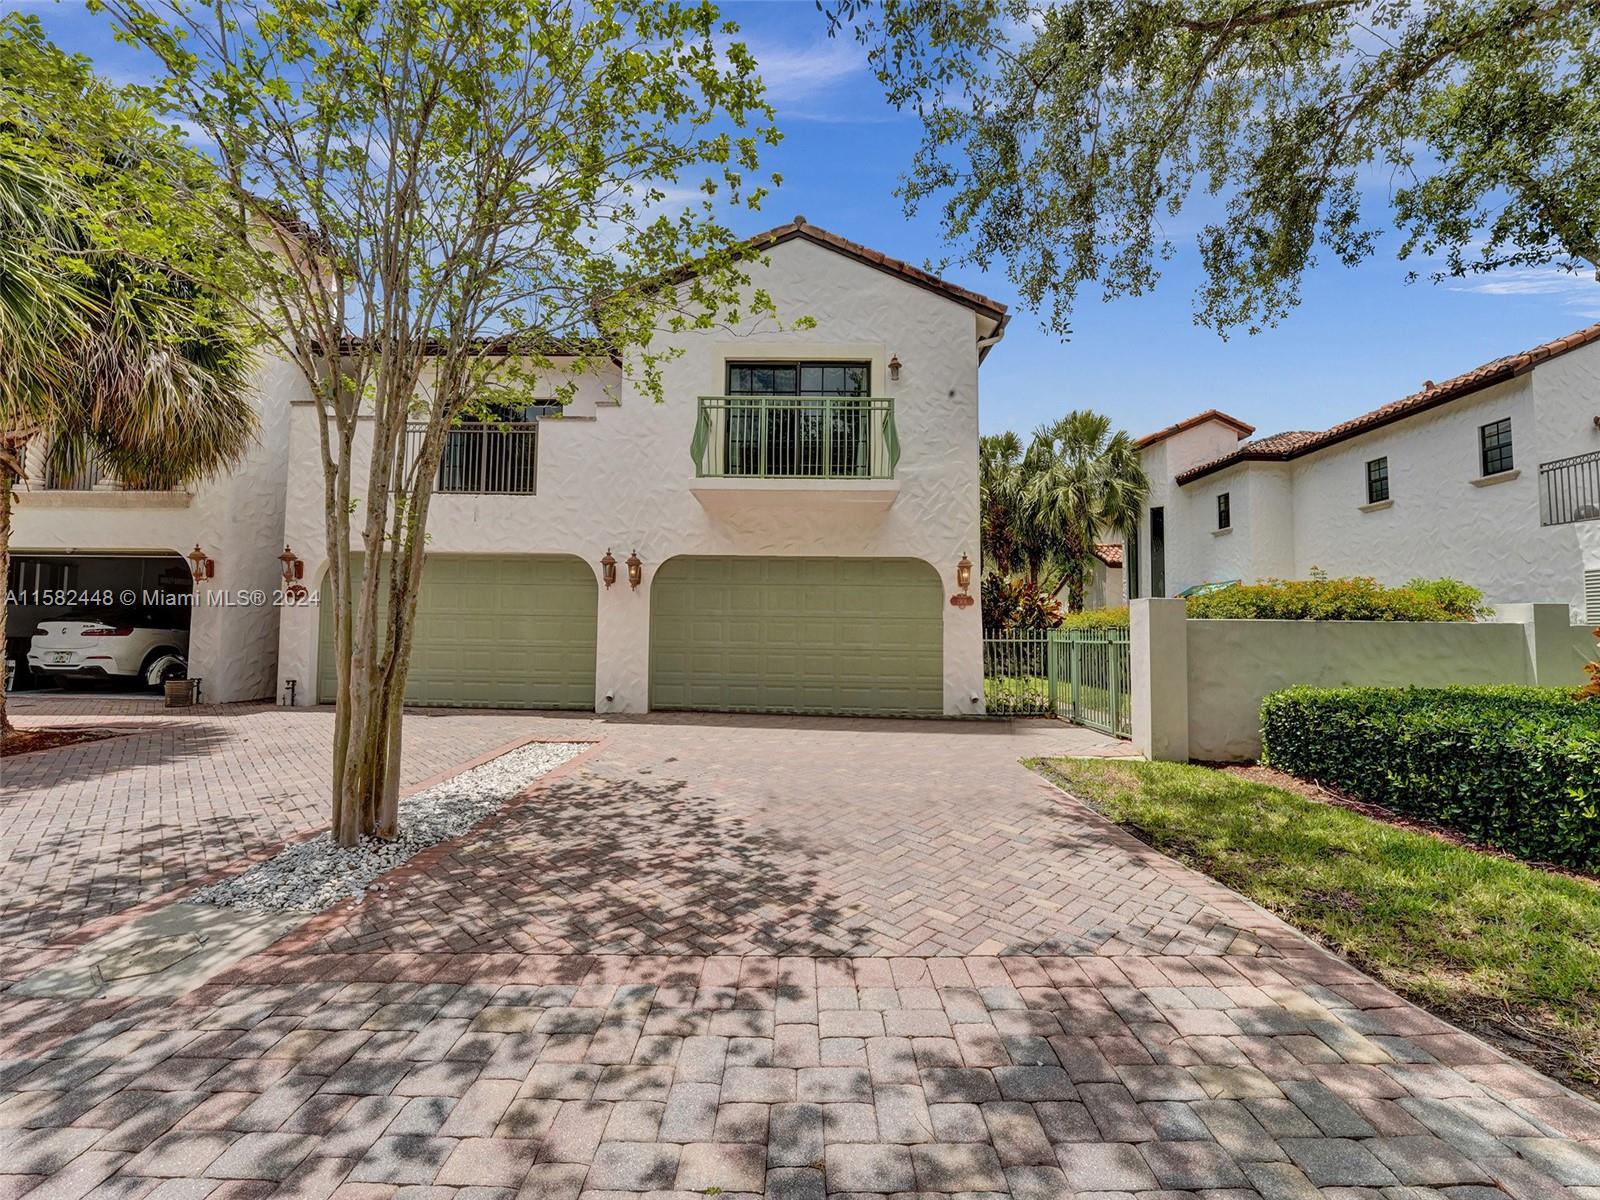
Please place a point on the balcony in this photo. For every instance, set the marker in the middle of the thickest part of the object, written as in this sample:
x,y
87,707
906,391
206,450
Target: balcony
x,y
482,458
1569,489
825,449
91,486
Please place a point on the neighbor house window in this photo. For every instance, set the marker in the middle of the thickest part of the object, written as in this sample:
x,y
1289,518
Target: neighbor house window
x,y
1224,513
1158,552
1495,440
803,435
1377,480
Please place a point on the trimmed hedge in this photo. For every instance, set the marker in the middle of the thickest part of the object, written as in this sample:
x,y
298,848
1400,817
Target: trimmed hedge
x,y
1356,599
1096,618
1512,767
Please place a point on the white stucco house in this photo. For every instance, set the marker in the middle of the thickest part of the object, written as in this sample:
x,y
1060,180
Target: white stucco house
x,y
785,527
1491,477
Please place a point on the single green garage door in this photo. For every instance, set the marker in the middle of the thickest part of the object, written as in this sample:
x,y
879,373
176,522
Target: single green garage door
x,y
514,632
816,635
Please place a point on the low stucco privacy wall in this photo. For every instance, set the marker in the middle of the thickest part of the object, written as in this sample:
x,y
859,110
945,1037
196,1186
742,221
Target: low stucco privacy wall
x,y
1198,685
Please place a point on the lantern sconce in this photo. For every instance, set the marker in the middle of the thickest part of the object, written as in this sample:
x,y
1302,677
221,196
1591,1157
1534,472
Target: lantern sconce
x,y
635,570
963,598
202,567
608,567
894,368
293,567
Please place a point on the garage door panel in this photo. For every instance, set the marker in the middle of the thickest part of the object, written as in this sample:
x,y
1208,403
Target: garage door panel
x,y
510,632
797,635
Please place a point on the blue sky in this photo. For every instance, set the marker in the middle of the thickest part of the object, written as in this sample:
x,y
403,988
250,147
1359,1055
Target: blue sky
x,y
1360,337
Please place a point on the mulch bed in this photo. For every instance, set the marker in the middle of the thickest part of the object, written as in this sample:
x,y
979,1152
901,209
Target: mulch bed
x,y
27,741
1322,793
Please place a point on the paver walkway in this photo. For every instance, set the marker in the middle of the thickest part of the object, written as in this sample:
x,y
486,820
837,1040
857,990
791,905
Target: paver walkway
x,y
792,958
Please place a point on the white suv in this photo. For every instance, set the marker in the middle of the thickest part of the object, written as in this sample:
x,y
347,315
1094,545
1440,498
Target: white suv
x,y
110,644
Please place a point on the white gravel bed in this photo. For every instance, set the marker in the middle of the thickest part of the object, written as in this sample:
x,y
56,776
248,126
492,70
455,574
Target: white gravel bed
x,y
314,875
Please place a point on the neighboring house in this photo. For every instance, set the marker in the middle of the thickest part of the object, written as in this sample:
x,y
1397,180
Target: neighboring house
x,y
1492,477
1104,586
797,504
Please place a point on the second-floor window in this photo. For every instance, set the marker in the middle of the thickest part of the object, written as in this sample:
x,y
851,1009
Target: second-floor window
x,y
1224,512
1494,440
816,422
489,457
1378,480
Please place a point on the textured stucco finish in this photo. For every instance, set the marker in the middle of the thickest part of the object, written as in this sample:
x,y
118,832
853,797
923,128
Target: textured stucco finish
x,y
236,518
615,471
1289,518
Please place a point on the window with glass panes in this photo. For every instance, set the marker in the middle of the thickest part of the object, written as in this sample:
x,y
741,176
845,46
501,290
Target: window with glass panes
x,y
1224,512
1495,439
821,431
1377,480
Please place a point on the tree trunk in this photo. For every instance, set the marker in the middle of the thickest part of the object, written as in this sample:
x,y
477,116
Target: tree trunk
x,y
8,480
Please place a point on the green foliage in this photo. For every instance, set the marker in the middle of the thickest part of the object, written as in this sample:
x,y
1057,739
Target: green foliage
x,y
1482,939
1010,605
1096,618
1063,137
1514,768
1461,600
1043,505
1324,599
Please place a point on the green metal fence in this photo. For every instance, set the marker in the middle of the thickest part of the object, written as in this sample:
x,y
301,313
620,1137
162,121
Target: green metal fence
x,y
1079,675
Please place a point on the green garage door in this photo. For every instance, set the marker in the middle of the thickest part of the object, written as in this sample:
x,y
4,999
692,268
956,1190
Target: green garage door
x,y
818,635
503,632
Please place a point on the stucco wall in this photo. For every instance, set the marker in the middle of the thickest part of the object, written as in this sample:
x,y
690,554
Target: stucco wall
x,y
623,479
1233,665
1312,512
237,519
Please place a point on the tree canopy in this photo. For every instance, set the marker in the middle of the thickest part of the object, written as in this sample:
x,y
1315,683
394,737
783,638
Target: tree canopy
x,y
1061,138
446,198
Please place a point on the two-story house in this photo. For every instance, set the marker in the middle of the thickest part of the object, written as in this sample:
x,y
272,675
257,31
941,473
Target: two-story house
x,y
1492,477
781,533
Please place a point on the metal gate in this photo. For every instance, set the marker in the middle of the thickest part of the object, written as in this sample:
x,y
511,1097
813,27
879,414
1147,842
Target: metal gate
x,y
1079,675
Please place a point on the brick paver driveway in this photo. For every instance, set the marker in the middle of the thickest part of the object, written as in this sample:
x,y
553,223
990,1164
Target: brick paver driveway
x,y
796,958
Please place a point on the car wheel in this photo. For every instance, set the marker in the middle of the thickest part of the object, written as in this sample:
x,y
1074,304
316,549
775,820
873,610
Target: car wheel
x,y
165,667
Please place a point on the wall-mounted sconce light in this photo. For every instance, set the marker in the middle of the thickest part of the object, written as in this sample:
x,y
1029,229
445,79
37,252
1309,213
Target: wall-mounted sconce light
x,y
608,568
635,570
293,568
963,598
200,566
894,368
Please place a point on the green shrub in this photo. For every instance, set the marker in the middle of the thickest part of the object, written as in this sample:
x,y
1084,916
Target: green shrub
x,y
1462,600
1357,599
1514,768
1096,618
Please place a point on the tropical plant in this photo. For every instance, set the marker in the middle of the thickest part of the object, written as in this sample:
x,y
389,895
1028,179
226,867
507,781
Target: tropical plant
x,y
108,353
1043,506
1063,137
1011,604
1591,689
442,196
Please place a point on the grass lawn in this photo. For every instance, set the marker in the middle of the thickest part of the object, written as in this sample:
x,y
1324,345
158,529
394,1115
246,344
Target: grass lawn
x,y
1507,950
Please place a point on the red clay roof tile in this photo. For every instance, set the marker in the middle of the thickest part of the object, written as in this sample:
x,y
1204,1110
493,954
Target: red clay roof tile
x,y
1210,414
1285,446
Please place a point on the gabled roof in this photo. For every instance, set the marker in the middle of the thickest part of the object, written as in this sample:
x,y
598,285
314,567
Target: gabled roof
x,y
1284,446
1109,553
798,228
1210,414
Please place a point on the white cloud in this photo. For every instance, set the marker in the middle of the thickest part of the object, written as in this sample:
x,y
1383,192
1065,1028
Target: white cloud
x,y
1577,291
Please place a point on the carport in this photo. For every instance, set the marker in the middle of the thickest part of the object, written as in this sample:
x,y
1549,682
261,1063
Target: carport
x,y
52,585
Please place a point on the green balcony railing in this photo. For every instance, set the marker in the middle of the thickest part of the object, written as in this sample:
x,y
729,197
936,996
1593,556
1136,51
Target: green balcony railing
x,y
795,437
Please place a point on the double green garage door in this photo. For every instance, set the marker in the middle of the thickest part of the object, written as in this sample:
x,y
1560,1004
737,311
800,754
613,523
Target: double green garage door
x,y
819,635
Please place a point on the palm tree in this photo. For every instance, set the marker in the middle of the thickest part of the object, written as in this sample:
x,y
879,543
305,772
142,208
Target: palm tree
x,y
1082,479
1044,506
102,361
